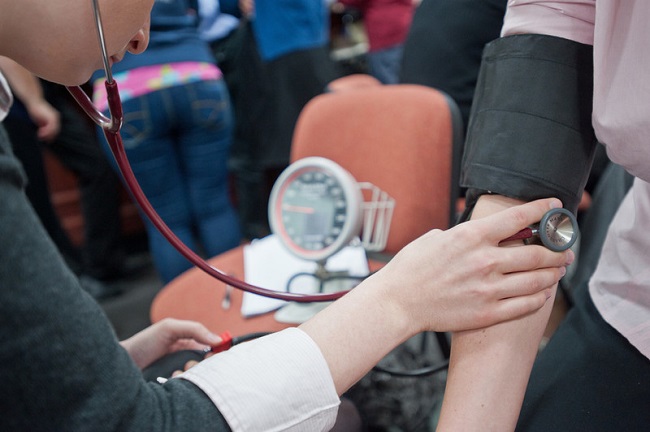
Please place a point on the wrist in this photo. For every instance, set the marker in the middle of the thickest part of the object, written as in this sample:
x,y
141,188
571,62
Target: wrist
x,y
396,316
488,204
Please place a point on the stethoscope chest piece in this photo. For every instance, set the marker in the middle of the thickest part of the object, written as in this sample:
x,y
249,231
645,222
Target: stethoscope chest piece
x,y
558,229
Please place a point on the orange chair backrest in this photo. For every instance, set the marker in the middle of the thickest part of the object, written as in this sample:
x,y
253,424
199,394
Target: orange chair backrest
x,y
398,137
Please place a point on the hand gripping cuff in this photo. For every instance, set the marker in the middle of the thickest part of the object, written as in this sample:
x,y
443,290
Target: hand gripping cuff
x,y
530,134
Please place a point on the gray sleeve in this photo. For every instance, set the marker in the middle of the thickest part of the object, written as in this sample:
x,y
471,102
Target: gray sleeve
x,y
530,134
61,366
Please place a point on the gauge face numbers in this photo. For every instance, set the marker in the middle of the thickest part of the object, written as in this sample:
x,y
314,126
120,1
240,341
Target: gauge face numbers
x,y
558,229
313,209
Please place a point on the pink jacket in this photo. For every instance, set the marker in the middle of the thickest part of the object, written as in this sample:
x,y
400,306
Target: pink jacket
x,y
618,31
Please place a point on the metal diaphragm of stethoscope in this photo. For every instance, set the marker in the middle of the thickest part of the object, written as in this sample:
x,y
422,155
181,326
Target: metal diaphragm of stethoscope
x,y
557,230
111,128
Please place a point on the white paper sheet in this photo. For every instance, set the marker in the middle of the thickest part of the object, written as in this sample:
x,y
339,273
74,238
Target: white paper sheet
x,y
268,264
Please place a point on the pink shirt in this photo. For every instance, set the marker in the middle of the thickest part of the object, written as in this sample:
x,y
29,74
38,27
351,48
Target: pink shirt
x,y
618,31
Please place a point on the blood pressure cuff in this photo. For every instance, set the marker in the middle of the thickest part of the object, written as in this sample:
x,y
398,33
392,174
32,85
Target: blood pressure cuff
x,y
530,134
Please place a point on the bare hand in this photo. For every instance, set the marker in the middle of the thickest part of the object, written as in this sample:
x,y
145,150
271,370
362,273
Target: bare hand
x,y
165,337
47,120
461,279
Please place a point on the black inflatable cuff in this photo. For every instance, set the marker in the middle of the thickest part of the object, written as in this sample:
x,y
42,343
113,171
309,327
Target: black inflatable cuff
x,y
530,134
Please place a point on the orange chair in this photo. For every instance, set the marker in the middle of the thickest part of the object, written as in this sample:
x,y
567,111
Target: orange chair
x,y
401,138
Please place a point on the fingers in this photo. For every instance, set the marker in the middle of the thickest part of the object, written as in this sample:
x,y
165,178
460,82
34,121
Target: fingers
x,y
528,283
47,132
516,307
190,364
182,329
508,222
187,366
531,257
522,294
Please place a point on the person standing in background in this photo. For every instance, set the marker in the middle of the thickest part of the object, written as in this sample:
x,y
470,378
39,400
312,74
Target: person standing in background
x,y
177,134
444,46
387,23
282,62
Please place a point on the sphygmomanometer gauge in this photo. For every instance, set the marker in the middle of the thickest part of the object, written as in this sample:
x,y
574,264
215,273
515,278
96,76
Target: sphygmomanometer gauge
x,y
315,208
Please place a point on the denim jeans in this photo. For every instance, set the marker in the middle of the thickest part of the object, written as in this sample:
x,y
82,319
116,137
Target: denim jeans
x,y
384,64
178,141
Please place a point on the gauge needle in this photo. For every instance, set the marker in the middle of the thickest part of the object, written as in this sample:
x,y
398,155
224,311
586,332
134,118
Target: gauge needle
x,y
298,209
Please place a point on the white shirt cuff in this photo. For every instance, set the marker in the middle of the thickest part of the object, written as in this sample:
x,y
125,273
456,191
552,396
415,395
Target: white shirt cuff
x,y
280,382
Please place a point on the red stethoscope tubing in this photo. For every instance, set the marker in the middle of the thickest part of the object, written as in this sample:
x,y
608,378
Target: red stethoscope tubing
x,y
111,128
524,234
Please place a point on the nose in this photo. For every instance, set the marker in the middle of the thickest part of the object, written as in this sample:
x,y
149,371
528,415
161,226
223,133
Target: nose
x,y
140,41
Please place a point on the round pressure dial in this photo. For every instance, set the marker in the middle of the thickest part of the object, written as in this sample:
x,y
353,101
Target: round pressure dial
x,y
315,208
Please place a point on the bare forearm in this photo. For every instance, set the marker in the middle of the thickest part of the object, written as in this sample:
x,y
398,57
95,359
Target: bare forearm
x,y
489,372
490,367
357,331
444,281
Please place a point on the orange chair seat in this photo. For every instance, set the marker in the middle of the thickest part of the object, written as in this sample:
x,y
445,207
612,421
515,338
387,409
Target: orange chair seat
x,y
195,295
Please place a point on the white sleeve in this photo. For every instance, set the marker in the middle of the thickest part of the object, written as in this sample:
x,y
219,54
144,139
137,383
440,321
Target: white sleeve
x,y
280,382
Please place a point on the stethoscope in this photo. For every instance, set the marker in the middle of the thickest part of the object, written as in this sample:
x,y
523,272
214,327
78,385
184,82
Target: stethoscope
x,y
111,129
557,230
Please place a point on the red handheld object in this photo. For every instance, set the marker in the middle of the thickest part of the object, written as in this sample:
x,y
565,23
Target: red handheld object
x,y
225,344
525,233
